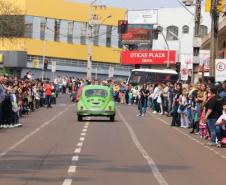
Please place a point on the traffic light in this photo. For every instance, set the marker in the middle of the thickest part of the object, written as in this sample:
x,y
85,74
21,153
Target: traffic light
x,y
122,26
221,6
46,65
178,67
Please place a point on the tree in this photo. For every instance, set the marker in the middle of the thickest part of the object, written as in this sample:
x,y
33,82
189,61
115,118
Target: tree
x,y
12,23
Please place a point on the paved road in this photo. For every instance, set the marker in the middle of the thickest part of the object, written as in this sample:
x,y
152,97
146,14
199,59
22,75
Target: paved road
x,y
52,148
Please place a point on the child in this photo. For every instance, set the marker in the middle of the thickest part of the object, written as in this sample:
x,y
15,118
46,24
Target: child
x,y
221,125
130,97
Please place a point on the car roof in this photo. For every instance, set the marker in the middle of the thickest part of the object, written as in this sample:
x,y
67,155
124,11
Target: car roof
x,y
87,87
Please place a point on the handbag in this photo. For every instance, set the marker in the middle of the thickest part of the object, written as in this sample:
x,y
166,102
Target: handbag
x,y
159,99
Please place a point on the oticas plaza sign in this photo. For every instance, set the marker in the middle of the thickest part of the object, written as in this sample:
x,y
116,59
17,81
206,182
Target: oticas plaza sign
x,y
148,57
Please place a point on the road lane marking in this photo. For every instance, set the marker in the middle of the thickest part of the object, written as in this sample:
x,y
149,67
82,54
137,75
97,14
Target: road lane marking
x,y
84,130
67,182
194,139
80,144
158,176
75,158
83,134
77,150
28,136
72,169
81,139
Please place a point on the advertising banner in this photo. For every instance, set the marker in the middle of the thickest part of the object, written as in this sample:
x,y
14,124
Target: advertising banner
x,y
53,66
148,57
220,70
204,58
143,16
186,65
138,33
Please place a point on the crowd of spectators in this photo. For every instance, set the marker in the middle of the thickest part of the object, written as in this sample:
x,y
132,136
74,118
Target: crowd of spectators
x,y
200,107
21,96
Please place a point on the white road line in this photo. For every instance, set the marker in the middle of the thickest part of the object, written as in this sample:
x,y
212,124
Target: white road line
x,y
77,150
195,140
75,158
72,169
158,176
67,182
28,136
80,144
81,139
83,134
86,126
84,130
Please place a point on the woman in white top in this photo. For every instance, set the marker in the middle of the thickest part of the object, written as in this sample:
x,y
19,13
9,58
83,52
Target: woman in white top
x,y
182,110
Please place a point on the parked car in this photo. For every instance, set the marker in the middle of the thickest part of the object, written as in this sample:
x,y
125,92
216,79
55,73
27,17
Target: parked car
x,y
96,100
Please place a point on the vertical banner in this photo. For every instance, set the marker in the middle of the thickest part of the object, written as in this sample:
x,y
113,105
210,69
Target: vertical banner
x,y
111,72
53,66
186,65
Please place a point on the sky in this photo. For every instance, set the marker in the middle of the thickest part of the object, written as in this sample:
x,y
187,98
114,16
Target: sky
x,y
135,4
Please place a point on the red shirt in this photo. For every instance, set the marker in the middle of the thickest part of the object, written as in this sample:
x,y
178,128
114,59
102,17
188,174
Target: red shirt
x,y
48,90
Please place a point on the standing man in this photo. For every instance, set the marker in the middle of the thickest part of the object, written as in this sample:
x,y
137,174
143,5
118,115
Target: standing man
x,y
48,94
143,103
2,97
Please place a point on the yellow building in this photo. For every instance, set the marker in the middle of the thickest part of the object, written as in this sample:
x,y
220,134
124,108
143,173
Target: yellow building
x,y
57,30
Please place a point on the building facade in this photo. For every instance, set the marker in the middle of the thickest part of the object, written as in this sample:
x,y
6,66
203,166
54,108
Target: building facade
x,y
177,26
56,30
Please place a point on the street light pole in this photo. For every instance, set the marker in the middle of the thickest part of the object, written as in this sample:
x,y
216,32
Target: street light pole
x,y
92,20
44,51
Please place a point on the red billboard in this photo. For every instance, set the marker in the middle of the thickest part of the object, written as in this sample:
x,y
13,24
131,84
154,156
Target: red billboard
x,y
137,34
148,57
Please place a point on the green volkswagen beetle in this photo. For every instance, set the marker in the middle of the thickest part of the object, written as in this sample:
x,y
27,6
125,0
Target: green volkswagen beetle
x,y
96,100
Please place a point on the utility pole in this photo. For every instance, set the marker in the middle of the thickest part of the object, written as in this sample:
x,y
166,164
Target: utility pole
x,y
196,37
93,20
89,31
214,36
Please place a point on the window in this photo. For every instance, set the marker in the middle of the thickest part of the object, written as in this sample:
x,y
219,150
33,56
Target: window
x,y
185,29
96,30
108,36
172,33
203,31
96,92
28,26
43,28
70,32
57,30
83,33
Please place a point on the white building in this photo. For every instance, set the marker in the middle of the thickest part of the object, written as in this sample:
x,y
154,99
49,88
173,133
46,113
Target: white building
x,y
178,29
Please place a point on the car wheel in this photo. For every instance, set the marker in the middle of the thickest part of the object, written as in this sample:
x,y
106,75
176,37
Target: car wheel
x,y
112,118
79,118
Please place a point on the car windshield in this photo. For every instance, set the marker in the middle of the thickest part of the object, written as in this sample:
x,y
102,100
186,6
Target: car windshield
x,y
96,92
